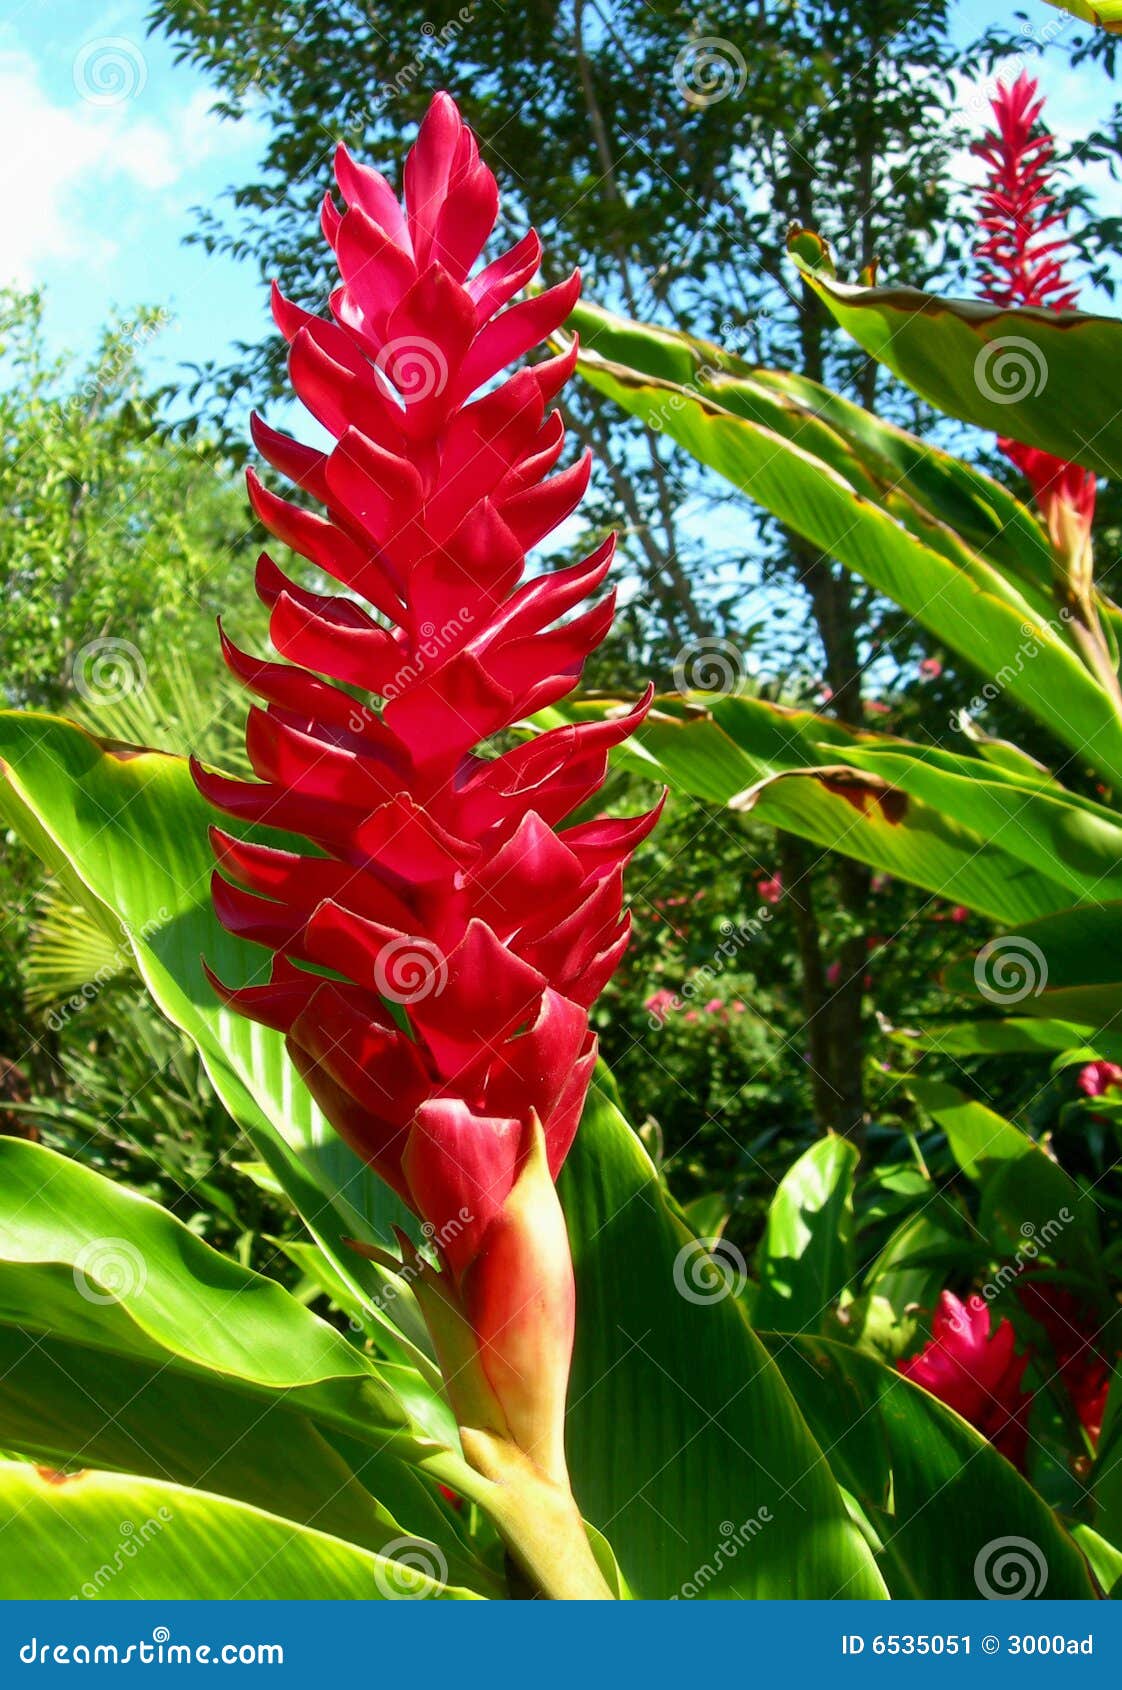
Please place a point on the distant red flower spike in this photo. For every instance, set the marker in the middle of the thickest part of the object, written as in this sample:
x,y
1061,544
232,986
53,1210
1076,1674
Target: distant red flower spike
x,y
465,931
975,1372
1021,264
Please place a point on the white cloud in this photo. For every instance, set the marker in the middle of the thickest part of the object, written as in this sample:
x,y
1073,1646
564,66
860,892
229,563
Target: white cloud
x,y
57,159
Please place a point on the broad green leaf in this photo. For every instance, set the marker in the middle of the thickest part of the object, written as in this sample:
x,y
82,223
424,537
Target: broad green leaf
x,y
1025,1194
676,1414
1106,1476
127,831
944,501
1065,837
1066,966
1015,1036
947,1508
128,1342
89,1262
905,1279
1049,378
1001,622
805,1258
793,769
1103,1559
111,1536
67,1404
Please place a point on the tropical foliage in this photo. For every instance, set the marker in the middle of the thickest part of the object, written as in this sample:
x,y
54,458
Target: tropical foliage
x,y
593,1134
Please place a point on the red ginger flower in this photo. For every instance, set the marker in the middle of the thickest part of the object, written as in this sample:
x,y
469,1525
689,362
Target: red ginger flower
x,y
975,1372
1021,264
1098,1077
1073,1332
467,932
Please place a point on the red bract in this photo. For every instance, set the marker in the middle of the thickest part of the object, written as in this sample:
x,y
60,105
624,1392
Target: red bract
x,y
976,1373
1075,1336
1098,1077
1021,261
467,933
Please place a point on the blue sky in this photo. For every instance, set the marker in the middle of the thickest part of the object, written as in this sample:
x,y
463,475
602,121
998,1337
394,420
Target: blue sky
x,y
106,145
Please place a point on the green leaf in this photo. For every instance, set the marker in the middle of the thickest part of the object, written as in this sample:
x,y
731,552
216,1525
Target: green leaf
x,y
1066,966
1103,1559
1065,837
109,1536
806,1255
813,478
1027,1197
906,1278
1014,1036
65,1403
127,832
945,1506
127,1342
1048,378
676,1414
799,772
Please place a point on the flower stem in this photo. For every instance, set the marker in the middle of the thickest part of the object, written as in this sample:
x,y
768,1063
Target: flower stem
x,y
539,1521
